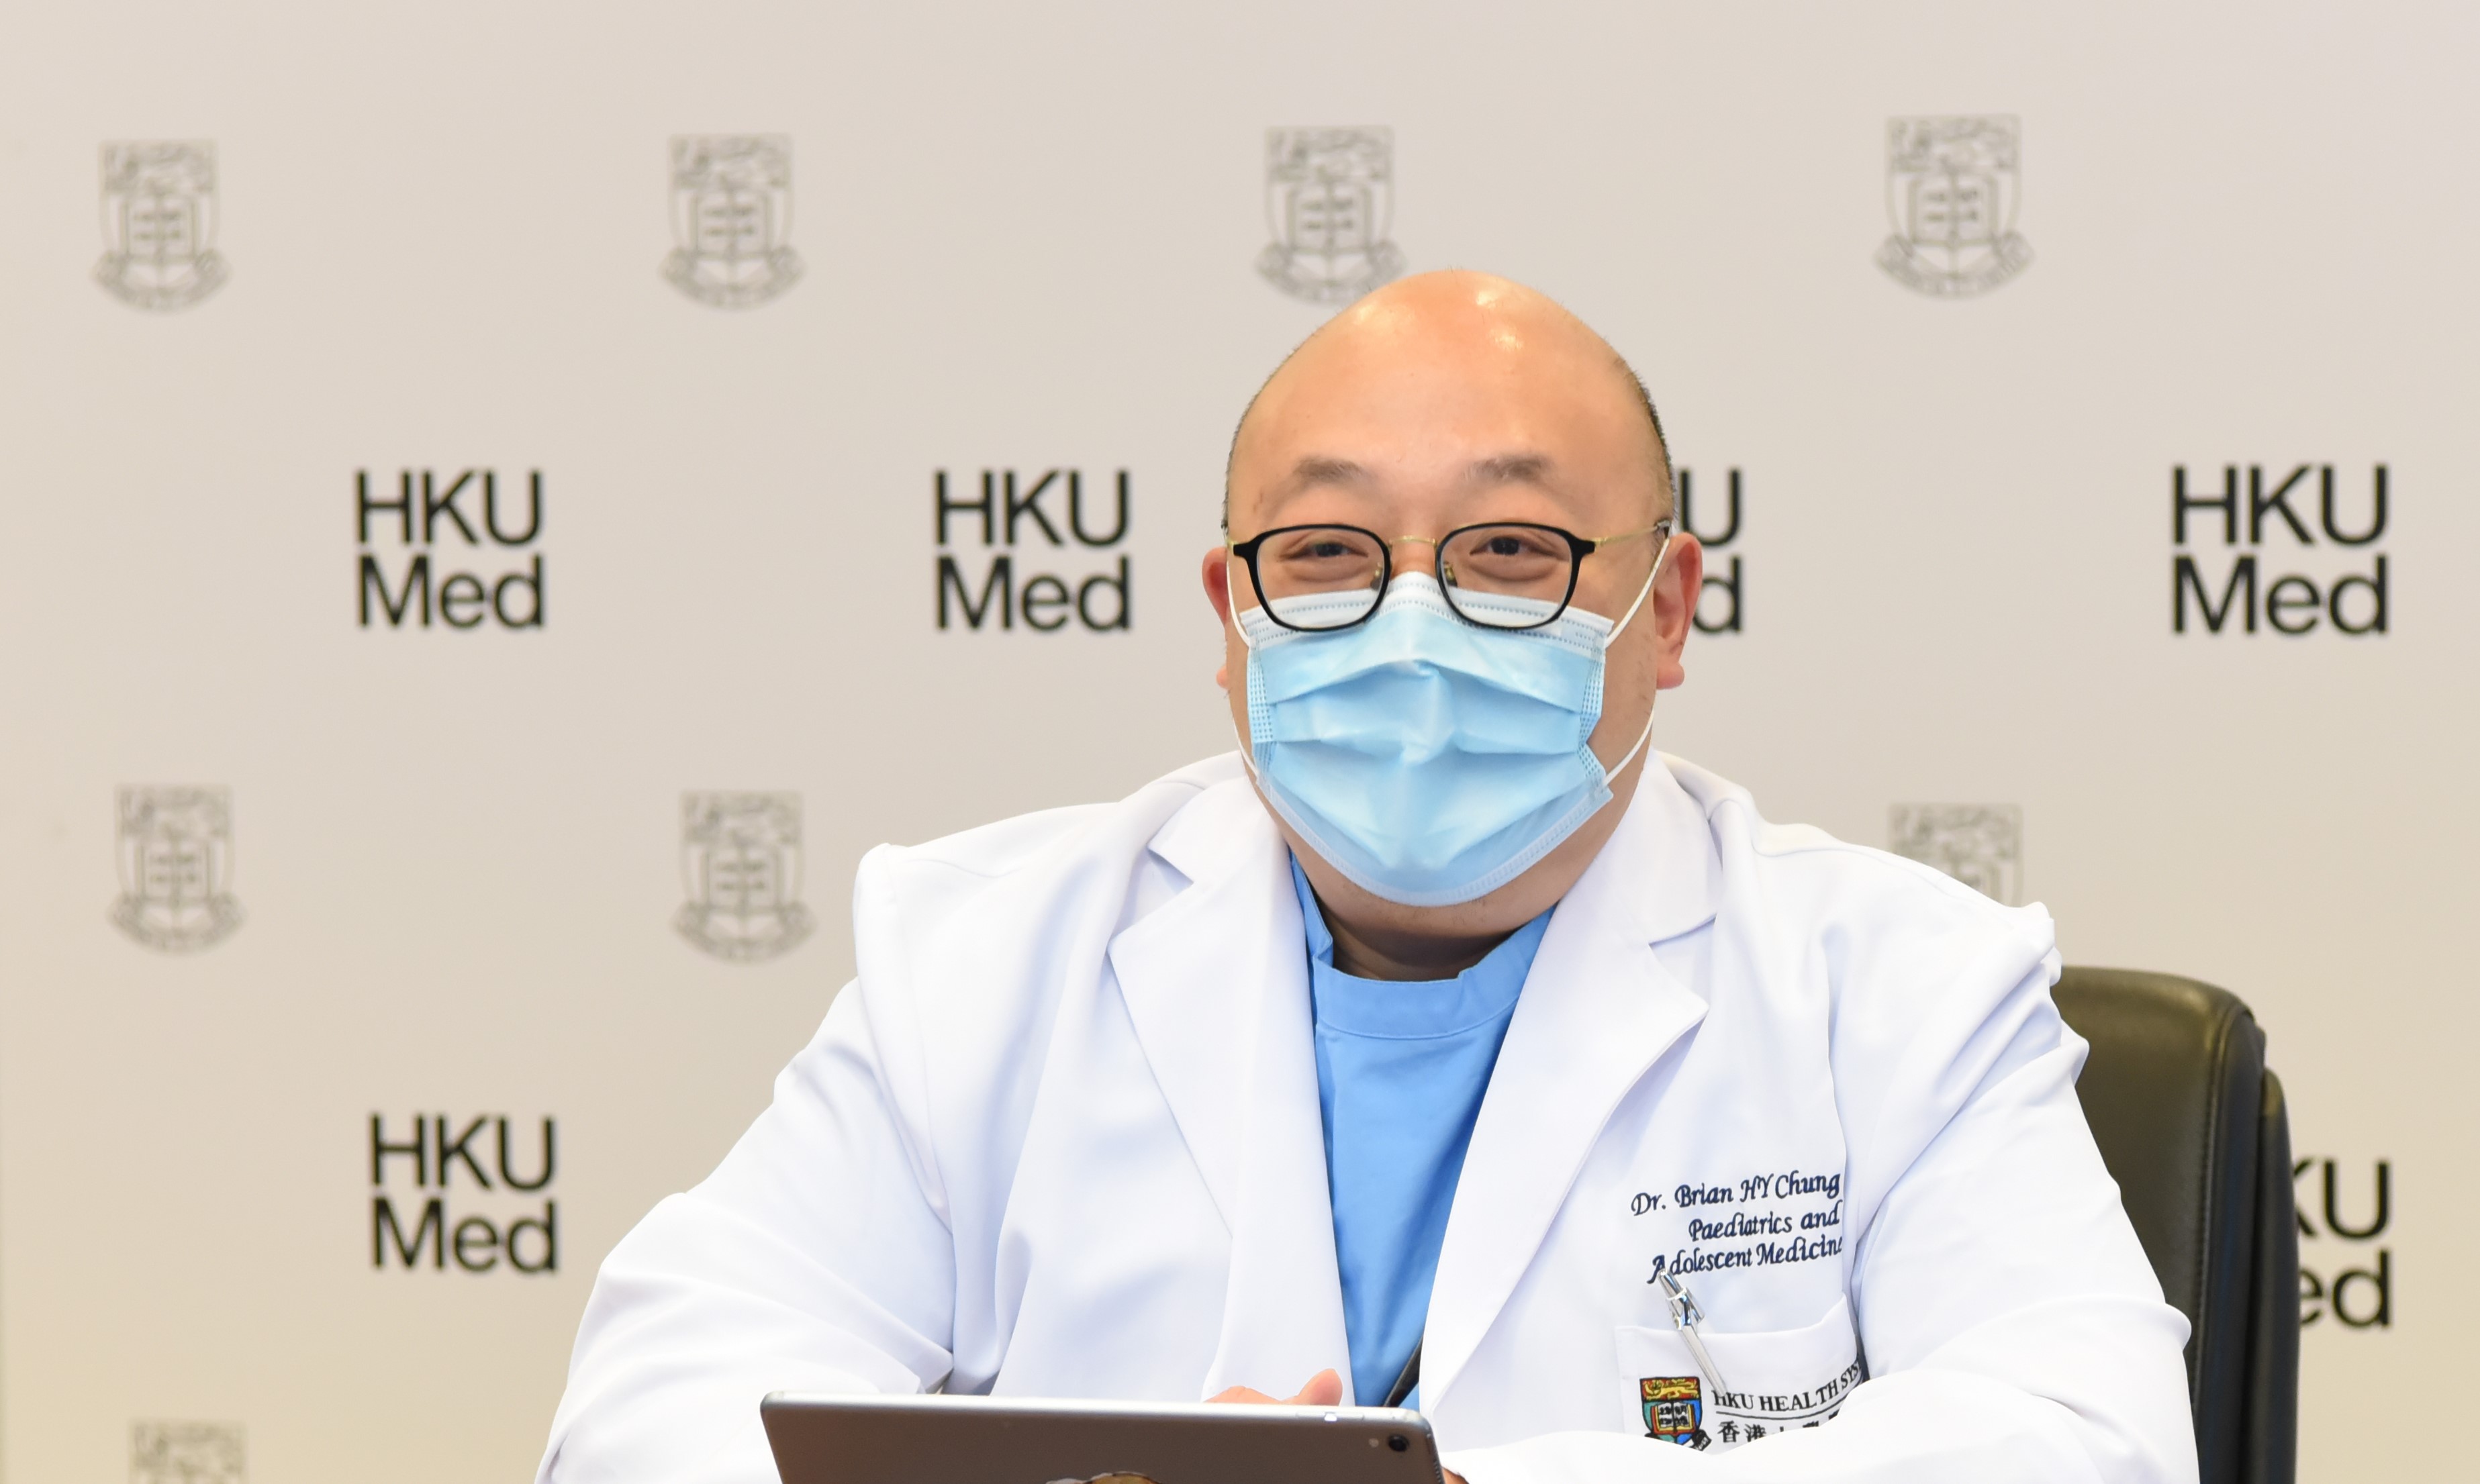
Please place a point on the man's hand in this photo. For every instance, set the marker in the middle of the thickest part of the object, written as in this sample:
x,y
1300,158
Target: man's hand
x,y
1324,1390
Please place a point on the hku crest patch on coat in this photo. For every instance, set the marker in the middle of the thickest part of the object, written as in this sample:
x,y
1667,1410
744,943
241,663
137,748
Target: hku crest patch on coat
x,y
1674,1410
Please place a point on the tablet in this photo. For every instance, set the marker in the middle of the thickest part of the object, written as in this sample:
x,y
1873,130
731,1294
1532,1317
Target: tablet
x,y
979,1439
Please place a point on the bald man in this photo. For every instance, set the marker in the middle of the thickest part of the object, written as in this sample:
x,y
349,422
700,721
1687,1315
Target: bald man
x,y
1443,1046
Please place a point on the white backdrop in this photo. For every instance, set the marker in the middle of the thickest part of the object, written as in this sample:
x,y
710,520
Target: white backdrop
x,y
485,873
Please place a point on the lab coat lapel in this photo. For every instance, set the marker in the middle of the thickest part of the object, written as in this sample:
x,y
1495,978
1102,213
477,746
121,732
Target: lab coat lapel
x,y
1216,982
1597,1012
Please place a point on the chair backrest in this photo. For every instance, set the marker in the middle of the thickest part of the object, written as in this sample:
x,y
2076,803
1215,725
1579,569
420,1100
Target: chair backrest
x,y
2193,1128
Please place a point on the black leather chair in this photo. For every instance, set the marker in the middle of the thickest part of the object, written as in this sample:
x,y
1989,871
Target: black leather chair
x,y
2193,1126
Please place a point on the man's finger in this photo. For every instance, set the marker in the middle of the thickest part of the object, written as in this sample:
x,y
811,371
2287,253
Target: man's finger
x,y
1242,1393
1324,1390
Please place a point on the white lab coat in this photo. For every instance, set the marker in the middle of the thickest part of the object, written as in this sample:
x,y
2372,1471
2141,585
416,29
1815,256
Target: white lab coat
x,y
1061,1138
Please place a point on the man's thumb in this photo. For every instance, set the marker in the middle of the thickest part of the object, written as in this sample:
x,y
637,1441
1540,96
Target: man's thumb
x,y
1324,1390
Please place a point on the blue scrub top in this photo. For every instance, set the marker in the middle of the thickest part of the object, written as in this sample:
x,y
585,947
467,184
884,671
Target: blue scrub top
x,y
1402,1068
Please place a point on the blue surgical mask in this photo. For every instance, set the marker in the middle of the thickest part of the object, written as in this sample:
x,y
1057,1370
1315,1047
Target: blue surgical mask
x,y
1429,760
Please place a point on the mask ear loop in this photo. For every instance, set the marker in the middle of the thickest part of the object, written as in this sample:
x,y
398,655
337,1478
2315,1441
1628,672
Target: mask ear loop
x,y
1239,731
1659,557
1646,735
1641,738
1232,600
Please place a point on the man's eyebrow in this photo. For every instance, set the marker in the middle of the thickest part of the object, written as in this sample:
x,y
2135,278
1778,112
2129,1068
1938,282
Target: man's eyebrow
x,y
1511,469
1319,468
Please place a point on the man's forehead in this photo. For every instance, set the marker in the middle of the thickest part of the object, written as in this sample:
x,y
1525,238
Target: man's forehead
x,y
1468,406
1509,348
1471,375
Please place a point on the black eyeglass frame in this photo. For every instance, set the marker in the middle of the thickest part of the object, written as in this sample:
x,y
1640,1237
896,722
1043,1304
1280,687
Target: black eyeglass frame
x,y
1578,547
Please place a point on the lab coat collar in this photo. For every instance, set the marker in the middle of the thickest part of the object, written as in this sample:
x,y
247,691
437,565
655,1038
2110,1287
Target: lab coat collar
x,y
1597,1012
1671,872
1216,982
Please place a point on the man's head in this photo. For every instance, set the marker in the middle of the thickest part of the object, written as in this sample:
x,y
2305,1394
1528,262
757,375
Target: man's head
x,y
1441,401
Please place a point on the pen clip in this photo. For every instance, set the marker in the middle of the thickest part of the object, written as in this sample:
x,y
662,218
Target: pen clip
x,y
1684,1312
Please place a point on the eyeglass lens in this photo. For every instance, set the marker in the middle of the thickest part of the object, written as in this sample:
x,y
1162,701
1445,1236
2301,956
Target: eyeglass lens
x,y
1525,562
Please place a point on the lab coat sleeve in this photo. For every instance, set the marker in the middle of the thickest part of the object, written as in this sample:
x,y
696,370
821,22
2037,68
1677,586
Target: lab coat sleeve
x,y
2012,1325
814,1258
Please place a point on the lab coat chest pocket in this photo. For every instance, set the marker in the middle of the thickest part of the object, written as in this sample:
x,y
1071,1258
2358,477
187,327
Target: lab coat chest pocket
x,y
1770,1381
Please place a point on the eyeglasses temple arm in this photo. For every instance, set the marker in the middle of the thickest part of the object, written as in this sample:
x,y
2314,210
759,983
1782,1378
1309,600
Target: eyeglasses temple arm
x,y
1599,542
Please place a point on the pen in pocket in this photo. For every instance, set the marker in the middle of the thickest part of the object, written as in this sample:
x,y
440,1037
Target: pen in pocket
x,y
1685,1316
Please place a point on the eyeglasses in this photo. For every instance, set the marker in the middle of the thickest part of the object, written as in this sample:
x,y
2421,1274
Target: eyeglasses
x,y
1478,568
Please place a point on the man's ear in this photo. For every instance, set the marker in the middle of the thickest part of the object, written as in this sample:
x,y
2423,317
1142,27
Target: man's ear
x,y
1674,608
1215,572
